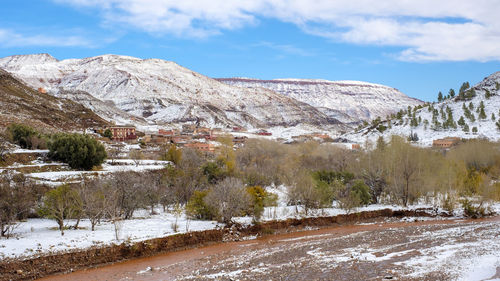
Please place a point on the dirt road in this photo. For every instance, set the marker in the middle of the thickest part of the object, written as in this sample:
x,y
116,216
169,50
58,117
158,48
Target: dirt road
x,y
389,249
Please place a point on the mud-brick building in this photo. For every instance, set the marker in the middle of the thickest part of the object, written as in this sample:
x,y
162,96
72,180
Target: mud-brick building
x,y
123,133
201,146
445,142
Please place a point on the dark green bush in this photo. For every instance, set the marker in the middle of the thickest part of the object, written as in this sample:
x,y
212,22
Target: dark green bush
x,y
197,208
22,134
361,191
79,151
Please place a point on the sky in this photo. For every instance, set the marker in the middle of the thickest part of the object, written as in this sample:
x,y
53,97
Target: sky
x,y
419,47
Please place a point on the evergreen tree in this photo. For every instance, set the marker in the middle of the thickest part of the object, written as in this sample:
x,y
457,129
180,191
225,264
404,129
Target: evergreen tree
x,y
471,106
482,113
461,121
487,94
498,125
452,93
493,118
440,97
464,87
474,130
466,128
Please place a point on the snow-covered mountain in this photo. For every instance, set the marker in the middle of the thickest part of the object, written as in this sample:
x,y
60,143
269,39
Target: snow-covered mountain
x,y
128,89
347,101
459,116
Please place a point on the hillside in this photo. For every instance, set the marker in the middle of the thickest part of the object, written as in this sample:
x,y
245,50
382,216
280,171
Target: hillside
x,y
458,116
159,91
347,101
22,104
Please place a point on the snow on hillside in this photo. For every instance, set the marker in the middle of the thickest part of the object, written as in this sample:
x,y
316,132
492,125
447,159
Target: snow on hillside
x,y
160,92
347,101
486,128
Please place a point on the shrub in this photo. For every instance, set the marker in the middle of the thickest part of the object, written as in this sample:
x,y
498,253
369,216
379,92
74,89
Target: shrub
x,y
474,211
260,199
213,172
229,199
22,134
107,134
79,151
197,208
361,191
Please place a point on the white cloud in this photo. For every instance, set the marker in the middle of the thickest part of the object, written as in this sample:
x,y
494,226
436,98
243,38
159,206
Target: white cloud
x,y
285,48
9,38
427,30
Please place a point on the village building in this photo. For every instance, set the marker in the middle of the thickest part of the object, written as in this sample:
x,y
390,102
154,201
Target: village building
x,y
123,133
446,142
201,146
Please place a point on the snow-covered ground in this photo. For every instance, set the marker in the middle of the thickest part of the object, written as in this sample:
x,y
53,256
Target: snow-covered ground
x,y
118,165
41,236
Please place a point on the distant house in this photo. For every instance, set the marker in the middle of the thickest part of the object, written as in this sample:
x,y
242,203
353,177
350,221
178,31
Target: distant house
x,y
446,142
168,132
123,133
264,133
201,146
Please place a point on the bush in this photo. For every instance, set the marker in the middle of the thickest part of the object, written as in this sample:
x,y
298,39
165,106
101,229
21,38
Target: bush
x,y
22,135
260,199
79,151
474,211
107,134
197,208
361,191
213,172
229,199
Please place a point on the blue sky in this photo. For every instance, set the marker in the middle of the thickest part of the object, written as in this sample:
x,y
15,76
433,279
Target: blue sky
x,y
420,48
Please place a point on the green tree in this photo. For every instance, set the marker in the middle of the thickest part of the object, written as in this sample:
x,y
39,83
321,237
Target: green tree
x,y
22,134
451,93
487,94
107,134
461,121
466,128
79,151
482,113
440,97
198,209
173,154
474,130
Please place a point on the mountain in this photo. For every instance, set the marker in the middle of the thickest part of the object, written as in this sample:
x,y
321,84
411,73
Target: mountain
x,y
443,119
347,101
22,104
130,90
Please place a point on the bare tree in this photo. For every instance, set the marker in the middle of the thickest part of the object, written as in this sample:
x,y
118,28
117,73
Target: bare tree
x,y
61,203
18,195
96,196
4,147
136,155
230,198
114,152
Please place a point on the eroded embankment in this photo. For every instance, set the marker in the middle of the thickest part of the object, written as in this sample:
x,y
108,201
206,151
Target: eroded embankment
x,y
47,265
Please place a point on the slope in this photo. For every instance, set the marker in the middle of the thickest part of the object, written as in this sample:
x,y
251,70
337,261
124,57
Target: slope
x,y
347,101
459,116
21,104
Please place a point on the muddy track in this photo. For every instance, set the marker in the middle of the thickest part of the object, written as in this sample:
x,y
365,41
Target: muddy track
x,y
30,269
